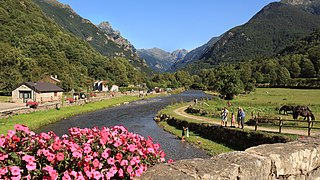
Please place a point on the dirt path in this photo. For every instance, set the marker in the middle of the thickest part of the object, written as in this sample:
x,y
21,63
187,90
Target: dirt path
x,y
180,111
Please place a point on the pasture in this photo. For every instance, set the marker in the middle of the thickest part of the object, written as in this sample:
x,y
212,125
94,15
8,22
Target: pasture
x,y
267,102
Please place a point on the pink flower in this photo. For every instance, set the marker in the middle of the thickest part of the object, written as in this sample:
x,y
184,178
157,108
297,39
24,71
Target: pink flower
x,y
56,145
97,175
132,148
54,175
28,158
119,156
76,154
151,150
51,157
111,161
31,166
96,163
124,163
139,172
3,157
60,156
120,173
106,153
87,149
11,133
129,169
15,170
49,169
3,171
66,176
170,161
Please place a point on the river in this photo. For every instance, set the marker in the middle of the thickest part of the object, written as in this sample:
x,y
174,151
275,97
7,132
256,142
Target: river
x,y
137,117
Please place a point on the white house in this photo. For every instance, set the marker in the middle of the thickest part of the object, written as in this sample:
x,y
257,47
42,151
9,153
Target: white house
x,y
114,88
37,92
100,86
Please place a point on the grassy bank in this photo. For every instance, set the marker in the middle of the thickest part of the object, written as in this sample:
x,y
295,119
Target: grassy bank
x,y
212,148
41,118
209,146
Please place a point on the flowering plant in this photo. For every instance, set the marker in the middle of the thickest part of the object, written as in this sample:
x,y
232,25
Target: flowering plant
x,y
71,100
32,104
106,153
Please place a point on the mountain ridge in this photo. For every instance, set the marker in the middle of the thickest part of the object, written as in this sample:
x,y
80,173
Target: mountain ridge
x,y
266,33
160,60
110,44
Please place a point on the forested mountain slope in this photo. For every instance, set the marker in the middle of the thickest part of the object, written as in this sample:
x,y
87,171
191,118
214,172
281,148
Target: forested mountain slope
x,y
33,46
102,37
268,32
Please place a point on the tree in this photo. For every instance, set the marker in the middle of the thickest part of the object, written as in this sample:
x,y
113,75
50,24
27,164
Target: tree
x,y
307,68
228,82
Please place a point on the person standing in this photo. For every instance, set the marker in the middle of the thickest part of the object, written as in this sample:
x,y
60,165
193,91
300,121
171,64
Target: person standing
x,y
242,117
232,120
184,129
239,116
224,116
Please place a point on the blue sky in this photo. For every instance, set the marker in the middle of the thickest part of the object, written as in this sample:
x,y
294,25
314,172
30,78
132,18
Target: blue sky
x,y
169,24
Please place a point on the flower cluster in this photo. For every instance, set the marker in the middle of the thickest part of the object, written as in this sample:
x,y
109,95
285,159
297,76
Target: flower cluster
x,y
32,104
71,100
106,153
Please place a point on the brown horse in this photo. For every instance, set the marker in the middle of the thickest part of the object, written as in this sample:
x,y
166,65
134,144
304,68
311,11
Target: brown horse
x,y
303,111
285,109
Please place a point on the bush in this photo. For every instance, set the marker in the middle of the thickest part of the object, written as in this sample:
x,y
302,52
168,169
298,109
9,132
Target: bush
x,y
109,153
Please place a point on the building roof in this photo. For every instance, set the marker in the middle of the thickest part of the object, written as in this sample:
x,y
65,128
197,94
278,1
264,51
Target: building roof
x,y
43,87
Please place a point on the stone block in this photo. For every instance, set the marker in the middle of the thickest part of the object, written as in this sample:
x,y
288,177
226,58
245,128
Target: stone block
x,y
251,166
294,158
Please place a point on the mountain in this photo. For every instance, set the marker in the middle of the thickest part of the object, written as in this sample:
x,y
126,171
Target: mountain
x,y
179,54
265,34
193,55
33,46
160,60
102,37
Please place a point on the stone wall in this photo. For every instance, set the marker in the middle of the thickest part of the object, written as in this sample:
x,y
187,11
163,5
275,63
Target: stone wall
x,y
234,138
298,160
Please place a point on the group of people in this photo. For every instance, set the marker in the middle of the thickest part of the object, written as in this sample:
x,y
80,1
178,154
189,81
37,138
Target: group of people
x,y
240,117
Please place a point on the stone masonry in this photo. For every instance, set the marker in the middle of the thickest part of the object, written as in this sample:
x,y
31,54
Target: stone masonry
x,y
298,160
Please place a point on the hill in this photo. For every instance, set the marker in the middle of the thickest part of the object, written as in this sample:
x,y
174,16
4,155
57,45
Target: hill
x,y
268,32
33,46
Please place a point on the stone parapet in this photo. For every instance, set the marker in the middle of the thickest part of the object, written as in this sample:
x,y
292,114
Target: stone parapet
x,y
298,160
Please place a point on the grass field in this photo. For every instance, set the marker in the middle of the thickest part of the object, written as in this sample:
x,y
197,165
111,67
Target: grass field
x,y
267,101
5,98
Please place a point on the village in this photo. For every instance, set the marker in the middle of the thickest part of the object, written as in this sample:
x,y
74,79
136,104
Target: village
x,y
46,94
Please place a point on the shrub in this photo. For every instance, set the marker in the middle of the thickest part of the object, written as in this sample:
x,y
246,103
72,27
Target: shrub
x,y
106,153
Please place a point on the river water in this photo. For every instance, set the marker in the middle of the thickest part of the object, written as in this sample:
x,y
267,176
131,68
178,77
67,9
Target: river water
x,y
137,117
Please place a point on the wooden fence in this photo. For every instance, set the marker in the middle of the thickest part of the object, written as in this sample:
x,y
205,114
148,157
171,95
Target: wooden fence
x,y
280,122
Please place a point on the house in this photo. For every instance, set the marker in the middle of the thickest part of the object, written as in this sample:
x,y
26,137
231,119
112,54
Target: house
x,y
114,88
100,86
37,92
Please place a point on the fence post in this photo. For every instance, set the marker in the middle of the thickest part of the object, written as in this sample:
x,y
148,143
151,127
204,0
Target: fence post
x,y
309,127
280,124
256,125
